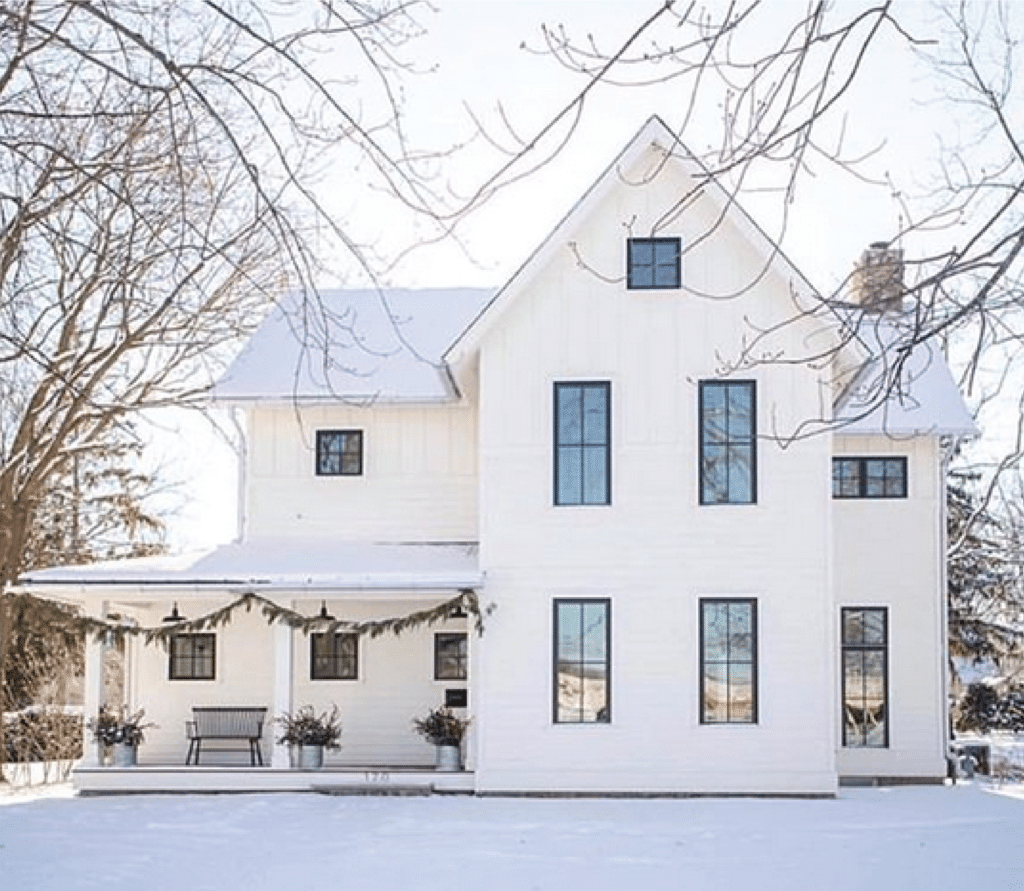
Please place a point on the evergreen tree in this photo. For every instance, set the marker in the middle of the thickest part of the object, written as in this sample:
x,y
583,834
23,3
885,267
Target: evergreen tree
x,y
93,509
985,587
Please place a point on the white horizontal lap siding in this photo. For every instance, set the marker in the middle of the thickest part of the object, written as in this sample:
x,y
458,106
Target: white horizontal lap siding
x,y
888,554
419,479
654,551
395,684
244,676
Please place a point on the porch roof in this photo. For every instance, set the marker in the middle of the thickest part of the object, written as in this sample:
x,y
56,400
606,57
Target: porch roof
x,y
274,565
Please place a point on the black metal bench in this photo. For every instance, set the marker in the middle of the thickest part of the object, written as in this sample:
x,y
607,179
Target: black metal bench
x,y
214,723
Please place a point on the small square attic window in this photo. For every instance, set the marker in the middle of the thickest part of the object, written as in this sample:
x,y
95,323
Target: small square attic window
x,y
653,263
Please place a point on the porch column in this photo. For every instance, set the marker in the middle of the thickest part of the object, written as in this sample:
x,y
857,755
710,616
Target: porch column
x,y
472,688
283,636
92,691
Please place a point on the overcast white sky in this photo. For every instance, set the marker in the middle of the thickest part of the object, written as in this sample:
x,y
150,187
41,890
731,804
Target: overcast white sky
x,y
477,48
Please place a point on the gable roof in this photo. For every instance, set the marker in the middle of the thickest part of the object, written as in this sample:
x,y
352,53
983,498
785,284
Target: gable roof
x,y
654,134
357,345
902,393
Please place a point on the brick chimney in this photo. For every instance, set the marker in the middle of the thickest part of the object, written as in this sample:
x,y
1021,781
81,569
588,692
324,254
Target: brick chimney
x,y
878,279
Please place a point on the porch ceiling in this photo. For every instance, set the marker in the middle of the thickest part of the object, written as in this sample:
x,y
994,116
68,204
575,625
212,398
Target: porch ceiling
x,y
279,565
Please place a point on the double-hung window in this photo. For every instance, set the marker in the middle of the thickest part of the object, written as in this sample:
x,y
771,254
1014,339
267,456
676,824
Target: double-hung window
x,y
728,442
582,631
865,639
334,657
339,452
728,661
653,263
193,657
869,477
582,443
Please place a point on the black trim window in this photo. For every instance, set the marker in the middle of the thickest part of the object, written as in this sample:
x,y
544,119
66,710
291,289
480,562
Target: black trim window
x,y
869,477
653,263
451,652
728,661
334,657
582,632
865,677
728,442
583,443
339,452
193,657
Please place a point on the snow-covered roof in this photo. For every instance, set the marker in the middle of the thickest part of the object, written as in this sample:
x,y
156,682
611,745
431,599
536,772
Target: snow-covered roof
x,y
273,565
903,394
361,345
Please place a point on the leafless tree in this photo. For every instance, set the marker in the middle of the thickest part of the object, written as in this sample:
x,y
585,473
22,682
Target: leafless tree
x,y
157,190
763,96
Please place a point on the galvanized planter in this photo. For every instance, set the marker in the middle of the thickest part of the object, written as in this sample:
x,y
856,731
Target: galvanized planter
x,y
125,755
448,759
311,757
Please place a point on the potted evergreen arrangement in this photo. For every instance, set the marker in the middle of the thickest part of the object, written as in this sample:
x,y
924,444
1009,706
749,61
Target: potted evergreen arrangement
x,y
309,734
445,730
121,731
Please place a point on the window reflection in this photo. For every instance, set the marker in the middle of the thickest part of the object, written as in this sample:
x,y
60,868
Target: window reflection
x,y
581,661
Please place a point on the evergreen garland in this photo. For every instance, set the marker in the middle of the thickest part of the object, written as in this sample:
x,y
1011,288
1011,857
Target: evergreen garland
x,y
466,601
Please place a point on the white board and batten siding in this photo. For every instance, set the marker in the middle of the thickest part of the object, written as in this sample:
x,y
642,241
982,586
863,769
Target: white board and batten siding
x,y
889,553
419,479
654,551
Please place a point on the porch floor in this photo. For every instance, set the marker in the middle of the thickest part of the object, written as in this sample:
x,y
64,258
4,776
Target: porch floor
x,y
171,778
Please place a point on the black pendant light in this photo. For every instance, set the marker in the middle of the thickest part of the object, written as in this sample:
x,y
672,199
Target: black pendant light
x,y
175,616
324,616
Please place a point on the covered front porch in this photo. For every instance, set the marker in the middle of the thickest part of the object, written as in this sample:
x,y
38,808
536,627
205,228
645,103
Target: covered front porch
x,y
382,632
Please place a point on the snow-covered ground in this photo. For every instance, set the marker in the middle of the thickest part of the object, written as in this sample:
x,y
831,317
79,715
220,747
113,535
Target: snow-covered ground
x,y
967,836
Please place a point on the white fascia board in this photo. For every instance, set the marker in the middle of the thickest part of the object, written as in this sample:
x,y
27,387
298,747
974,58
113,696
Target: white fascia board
x,y
350,586
245,402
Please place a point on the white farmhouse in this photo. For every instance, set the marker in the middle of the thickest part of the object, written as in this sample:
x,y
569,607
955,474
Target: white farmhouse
x,y
701,515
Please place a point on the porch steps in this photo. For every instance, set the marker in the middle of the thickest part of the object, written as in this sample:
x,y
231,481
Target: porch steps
x,y
405,789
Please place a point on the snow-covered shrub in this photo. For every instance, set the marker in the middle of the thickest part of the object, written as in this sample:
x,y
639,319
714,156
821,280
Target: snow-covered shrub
x,y
42,733
984,709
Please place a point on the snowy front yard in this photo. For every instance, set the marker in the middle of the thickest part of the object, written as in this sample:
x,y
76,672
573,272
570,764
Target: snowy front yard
x,y
971,835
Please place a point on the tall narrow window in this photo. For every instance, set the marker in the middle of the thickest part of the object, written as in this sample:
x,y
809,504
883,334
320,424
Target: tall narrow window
x,y
865,677
869,477
582,443
653,263
193,657
582,661
450,656
334,657
728,442
728,661
339,452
